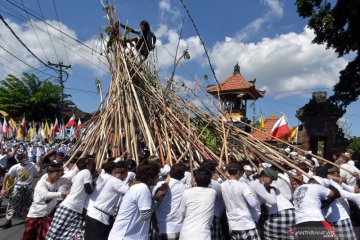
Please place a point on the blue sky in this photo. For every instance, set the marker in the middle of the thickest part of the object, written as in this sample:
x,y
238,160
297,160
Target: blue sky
x,y
266,37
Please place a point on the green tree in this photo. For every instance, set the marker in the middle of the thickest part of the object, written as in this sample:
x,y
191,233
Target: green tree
x,y
355,145
30,96
338,27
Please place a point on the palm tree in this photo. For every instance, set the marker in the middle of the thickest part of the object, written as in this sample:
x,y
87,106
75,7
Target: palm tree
x,y
30,96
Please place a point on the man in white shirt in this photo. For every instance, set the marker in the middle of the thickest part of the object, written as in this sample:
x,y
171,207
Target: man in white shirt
x,y
97,222
21,196
197,206
216,229
258,188
247,176
133,218
238,200
338,212
309,219
68,219
46,196
168,213
350,178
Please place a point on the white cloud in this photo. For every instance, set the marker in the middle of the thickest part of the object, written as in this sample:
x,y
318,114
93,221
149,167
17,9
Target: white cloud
x,y
284,64
167,47
275,12
48,44
168,12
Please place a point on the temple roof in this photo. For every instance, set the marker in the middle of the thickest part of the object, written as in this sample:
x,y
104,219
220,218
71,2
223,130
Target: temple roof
x,y
268,125
237,83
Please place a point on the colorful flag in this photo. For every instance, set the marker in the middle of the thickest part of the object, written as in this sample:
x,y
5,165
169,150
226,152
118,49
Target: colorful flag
x,y
22,128
71,122
47,131
5,128
280,128
293,134
262,123
55,128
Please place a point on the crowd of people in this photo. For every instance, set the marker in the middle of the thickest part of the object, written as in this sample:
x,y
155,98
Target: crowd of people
x,y
124,200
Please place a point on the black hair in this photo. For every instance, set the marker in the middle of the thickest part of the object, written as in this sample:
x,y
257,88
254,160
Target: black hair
x,y
121,164
130,163
209,165
177,171
54,167
147,170
82,162
234,167
108,167
202,177
303,167
146,24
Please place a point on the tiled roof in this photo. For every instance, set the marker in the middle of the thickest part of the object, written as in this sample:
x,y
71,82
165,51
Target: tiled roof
x,y
233,83
268,124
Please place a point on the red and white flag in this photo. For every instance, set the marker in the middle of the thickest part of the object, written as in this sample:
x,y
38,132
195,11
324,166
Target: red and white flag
x,y
79,125
71,122
55,128
5,127
280,128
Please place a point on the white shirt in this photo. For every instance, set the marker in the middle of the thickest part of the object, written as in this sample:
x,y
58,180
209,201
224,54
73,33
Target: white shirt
x,y
262,196
128,223
197,206
77,196
168,213
219,202
45,197
187,179
245,179
23,174
103,206
3,160
350,179
282,203
307,202
237,210
283,184
100,183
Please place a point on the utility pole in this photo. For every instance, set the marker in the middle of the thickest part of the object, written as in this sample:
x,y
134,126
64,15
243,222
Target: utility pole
x,y
60,65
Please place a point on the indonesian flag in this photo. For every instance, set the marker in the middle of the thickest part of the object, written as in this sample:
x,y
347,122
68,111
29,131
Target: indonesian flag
x,y
55,128
5,127
23,129
280,128
79,125
71,122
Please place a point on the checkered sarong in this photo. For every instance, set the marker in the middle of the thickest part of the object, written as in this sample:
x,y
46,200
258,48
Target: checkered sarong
x,y
344,229
216,230
66,225
19,203
251,234
279,225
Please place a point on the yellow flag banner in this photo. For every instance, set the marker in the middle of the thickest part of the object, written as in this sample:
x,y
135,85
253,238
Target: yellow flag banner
x,y
46,129
262,123
293,134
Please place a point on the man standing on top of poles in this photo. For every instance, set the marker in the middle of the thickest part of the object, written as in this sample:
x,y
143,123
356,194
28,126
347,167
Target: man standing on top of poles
x,y
146,40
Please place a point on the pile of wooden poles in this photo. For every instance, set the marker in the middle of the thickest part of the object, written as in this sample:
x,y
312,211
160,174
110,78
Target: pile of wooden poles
x,y
139,113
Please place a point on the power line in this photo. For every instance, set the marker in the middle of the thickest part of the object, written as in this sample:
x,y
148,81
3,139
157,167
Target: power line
x,y
22,43
47,29
62,32
25,62
202,43
37,37
57,17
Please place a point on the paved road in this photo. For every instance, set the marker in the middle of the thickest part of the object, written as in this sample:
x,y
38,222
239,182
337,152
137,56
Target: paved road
x,y
13,233
17,230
